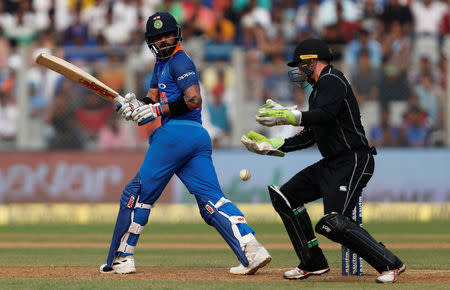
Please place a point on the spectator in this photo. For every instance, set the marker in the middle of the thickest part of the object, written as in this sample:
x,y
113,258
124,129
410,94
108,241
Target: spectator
x,y
38,102
65,133
365,79
78,45
414,130
425,67
92,115
95,17
113,135
397,46
21,29
371,21
334,11
429,98
198,18
308,17
270,40
385,134
9,112
364,42
438,133
394,85
218,113
395,11
277,85
428,14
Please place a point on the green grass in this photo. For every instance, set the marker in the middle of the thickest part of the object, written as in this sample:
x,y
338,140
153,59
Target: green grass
x,y
201,258
129,284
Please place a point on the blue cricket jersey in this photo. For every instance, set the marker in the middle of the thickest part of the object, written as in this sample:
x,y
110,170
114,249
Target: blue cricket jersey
x,y
171,77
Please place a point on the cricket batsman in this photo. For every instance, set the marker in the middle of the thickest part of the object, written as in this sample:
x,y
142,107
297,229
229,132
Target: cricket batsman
x,y
180,146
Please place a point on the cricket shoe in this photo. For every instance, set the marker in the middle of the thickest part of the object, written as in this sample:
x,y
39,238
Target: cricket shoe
x,y
121,265
257,257
390,276
298,273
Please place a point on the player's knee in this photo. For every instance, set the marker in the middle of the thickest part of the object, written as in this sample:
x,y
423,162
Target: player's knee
x,y
131,191
332,224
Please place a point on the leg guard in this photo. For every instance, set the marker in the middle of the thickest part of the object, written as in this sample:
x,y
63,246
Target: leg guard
x,y
225,217
300,230
341,229
132,218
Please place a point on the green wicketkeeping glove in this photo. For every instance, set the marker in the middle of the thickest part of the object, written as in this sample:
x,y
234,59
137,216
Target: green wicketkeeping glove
x,y
273,114
260,144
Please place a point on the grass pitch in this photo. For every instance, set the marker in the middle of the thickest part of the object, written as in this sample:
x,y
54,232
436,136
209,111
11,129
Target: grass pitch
x,y
193,256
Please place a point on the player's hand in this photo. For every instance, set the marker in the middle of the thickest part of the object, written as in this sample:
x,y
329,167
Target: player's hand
x,y
273,114
126,108
260,144
146,113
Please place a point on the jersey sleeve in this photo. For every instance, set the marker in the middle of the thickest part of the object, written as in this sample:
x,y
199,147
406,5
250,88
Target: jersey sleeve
x,y
302,140
184,72
330,96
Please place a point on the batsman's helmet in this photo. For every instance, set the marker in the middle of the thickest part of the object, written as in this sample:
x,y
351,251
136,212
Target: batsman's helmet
x,y
305,52
160,24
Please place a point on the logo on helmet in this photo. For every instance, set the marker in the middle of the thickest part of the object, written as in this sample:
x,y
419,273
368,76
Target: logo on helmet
x,y
158,24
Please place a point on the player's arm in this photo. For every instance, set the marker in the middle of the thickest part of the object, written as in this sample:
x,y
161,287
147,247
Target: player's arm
x,y
330,98
302,140
190,100
152,96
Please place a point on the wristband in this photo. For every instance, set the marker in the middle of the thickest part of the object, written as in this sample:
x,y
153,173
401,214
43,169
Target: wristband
x,y
178,107
147,100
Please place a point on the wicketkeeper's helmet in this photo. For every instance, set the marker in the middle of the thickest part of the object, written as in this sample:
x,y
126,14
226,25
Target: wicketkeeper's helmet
x,y
306,51
160,24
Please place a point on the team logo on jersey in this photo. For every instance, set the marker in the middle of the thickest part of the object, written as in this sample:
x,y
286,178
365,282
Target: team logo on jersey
x,y
158,24
162,86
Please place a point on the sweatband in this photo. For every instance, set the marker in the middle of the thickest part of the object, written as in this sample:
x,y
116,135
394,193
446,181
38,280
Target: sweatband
x,y
178,107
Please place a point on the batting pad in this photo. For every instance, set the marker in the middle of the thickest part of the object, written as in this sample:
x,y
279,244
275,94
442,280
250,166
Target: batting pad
x,y
225,219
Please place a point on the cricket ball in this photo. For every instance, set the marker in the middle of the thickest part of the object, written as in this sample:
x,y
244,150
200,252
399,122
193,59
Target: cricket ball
x,y
244,174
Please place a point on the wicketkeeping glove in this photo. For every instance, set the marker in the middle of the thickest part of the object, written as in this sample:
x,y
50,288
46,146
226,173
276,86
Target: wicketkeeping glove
x,y
126,108
146,113
273,114
260,144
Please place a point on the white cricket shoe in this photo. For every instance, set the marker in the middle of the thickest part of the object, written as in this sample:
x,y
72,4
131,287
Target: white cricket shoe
x,y
257,257
298,273
121,265
390,276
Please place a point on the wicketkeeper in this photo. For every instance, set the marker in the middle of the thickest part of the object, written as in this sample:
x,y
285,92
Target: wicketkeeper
x,y
333,123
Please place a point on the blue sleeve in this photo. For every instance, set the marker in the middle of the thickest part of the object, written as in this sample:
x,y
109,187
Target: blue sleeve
x,y
183,71
154,81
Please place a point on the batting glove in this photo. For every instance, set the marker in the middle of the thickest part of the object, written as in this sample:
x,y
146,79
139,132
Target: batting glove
x,y
260,144
146,113
127,107
273,114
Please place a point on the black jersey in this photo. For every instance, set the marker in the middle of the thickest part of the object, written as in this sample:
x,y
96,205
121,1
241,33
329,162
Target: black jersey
x,y
333,120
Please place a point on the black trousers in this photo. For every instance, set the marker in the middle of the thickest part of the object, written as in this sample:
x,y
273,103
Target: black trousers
x,y
339,181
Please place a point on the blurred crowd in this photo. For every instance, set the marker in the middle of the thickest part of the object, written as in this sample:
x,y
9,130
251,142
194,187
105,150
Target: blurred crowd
x,y
394,53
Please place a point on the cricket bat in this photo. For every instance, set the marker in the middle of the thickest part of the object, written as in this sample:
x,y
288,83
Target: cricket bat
x,y
79,76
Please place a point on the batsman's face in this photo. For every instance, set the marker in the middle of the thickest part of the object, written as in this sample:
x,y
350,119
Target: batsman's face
x,y
164,41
